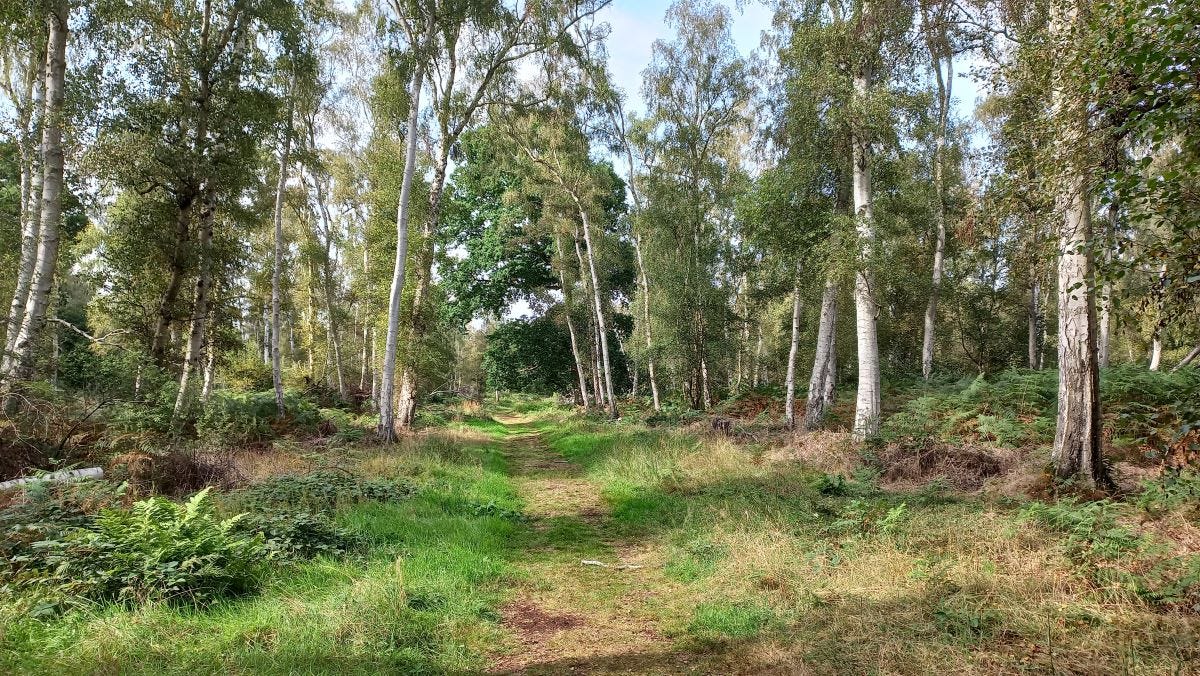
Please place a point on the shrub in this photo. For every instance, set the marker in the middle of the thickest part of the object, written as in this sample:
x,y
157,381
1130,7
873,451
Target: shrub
x,y
154,550
241,418
318,492
299,536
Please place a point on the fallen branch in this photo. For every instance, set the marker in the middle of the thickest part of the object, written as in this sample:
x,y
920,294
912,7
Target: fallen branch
x,y
54,477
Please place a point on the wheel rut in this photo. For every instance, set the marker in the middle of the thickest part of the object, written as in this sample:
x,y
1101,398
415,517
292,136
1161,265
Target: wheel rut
x,y
586,601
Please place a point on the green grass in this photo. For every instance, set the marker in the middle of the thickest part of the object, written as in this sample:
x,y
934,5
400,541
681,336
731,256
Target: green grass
x,y
744,563
423,598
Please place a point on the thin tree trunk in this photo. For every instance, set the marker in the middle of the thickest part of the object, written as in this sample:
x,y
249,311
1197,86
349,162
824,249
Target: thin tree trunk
x,y
1077,451
645,278
31,206
1035,325
387,413
562,279
939,215
789,405
601,325
824,373
867,406
33,320
1103,339
277,265
1156,345
194,353
327,275
1191,356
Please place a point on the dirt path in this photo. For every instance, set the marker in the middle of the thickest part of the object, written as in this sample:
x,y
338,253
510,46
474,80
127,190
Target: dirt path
x,y
569,615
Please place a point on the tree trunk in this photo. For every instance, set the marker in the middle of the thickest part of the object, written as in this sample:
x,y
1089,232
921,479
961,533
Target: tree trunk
x,y
277,265
1035,325
579,370
1191,356
1104,337
821,384
33,320
601,325
867,406
327,282
944,86
31,205
1156,345
645,279
789,405
387,414
195,344
1077,452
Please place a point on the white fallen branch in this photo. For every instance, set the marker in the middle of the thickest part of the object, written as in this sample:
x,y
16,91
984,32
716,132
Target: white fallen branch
x,y
61,475
619,566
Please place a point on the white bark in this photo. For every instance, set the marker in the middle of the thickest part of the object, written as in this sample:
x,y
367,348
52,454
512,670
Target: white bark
x,y
31,202
195,343
277,259
867,406
944,86
387,415
1191,356
579,370
21,364
601,325
789,405
1077,450
1104,337
645,279
821,385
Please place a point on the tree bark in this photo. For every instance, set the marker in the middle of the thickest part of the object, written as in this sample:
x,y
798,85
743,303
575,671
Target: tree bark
x,y
277,264
789,405
645,279
1191,356
1077,451
944,87
21,365
387,412
195,344
867,406
1104,337
601,325
579,370
31,202
821,385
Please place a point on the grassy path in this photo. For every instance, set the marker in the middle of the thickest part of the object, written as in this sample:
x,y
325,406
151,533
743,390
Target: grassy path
x,y
568,614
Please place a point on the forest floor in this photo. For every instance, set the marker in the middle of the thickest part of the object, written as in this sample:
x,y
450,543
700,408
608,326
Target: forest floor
x,y
543,542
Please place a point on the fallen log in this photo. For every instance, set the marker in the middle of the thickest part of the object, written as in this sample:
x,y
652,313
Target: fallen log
x,y
61,475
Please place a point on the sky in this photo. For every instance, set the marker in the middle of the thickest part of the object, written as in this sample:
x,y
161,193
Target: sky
x,y
636,24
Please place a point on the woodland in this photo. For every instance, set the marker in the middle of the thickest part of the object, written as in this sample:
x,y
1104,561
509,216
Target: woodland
x,y
400,336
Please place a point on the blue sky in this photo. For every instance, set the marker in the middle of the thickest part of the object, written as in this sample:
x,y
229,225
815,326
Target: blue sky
x,y
636,24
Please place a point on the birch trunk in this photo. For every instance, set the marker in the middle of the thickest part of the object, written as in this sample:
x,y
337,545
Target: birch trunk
x,y
195,344
1035,321
387,412
579,370
277,264
1156,345
789,405
637,249
601,326
944,87
867,406
824,373
1104,337
34,317
31,203
1077,451
327,280
1191,356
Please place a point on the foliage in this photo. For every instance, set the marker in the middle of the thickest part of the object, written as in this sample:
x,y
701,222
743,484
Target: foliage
x,y
299,535
154,550
320,492
532,356
243,418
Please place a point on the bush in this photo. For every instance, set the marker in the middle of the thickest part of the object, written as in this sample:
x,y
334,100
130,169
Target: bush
x,y
154,550
319,492
243,418
299,536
